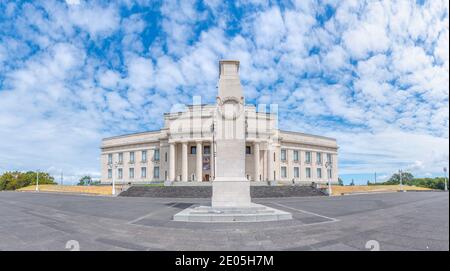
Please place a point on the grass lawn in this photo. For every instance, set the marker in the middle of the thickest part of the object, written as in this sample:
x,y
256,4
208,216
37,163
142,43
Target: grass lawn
x,y
338,190
96,190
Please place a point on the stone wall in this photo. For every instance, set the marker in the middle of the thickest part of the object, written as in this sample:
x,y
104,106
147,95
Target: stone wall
x,y
206,191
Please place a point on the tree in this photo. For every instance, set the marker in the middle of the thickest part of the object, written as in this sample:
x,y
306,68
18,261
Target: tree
x,y
352,183
12,180
85,180
340,182
8,181
407,177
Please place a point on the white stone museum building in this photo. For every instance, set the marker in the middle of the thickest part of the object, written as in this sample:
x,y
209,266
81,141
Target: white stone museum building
x,y
183,151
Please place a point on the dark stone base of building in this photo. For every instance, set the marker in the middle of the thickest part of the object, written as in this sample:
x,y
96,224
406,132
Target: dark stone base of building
x,y
206,191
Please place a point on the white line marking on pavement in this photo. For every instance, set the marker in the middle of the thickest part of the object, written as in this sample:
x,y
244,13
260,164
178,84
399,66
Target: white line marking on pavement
x,y
149,214
306,212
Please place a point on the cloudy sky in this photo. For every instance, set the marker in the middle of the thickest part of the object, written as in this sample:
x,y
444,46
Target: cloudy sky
x,y
374,75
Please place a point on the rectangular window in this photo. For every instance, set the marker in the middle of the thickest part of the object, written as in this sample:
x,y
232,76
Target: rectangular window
x,y
109,173
248,150
193,149
296,172
319,158
296,156
144,156
156,172
308,172
308,157
207,150
143,172
120,157
132,157
283,155
319,173
131,173
156,155
283,172
329,160
120,173
329,173
110,158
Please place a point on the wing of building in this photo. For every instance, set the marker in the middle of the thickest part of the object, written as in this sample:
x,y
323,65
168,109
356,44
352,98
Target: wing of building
x,y
183,150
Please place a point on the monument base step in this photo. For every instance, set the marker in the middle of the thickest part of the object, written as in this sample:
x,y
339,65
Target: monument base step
x,y
253,213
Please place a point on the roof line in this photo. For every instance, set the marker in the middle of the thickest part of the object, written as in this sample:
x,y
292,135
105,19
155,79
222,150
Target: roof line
x,y
318,136
138,133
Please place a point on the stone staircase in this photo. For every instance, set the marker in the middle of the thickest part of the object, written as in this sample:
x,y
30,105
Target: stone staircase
x,y
206,191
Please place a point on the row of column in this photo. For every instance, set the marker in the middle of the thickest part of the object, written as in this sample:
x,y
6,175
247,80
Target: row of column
x,y
268,158
184,161
267,155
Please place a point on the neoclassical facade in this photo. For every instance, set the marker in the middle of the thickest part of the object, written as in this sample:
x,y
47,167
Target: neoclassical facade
x,y
183,150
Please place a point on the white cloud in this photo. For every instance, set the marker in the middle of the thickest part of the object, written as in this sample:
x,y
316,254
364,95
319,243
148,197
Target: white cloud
x,y
94,19
269,28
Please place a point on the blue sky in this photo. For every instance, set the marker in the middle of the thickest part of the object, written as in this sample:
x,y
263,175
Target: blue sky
x,y
372,74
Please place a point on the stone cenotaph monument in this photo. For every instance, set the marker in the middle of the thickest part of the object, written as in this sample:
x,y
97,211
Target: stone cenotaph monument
x,y
231,201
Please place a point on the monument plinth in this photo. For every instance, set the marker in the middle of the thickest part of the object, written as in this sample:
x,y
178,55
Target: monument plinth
x,y
231,201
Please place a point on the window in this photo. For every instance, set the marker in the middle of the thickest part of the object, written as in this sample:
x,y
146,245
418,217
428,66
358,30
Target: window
x,y
144,156
193,149
156,155
308,172
319,158
109,173
131,173
296,156
132,157
143,172
329,173
120,157
283,155
120,173
207,150
308,157
319,173
329,160
283,172
296,172
165,157
248,150
156,172
110,158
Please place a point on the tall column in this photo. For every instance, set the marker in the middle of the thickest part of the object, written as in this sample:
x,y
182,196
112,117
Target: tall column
x,y
212,161
172,159
184,161
270,163
256,160
264,164
198,172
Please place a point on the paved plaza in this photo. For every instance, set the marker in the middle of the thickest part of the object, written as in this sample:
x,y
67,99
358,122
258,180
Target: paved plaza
x,y
397,221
